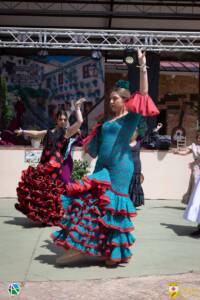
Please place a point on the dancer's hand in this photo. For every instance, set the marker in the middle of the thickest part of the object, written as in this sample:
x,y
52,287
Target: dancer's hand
x,y
19,131
141,57
79,102
159,125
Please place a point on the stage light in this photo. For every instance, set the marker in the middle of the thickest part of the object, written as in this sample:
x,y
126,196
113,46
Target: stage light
x,y
130,57
129,60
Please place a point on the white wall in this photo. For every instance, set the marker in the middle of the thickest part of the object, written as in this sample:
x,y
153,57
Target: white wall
x,y
166,175
11,164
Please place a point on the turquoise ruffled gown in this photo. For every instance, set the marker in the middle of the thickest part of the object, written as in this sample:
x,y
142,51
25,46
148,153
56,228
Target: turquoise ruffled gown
x,y
98,209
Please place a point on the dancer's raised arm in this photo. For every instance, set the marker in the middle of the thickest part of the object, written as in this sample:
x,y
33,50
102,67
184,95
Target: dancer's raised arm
x,y
143,72
79,119
140,102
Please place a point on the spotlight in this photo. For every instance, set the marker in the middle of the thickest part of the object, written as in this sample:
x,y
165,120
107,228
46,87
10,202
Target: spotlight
x,y
96,54
129,60
130,57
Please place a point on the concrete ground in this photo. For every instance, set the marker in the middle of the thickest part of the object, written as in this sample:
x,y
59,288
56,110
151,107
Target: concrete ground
x,y
163,253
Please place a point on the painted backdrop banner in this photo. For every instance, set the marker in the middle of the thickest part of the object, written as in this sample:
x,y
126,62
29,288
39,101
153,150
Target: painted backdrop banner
x,y
38,86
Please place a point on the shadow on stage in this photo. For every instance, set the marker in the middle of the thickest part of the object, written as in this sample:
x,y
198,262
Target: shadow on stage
x,y
24,222
84,262
175,207
180,230
170,207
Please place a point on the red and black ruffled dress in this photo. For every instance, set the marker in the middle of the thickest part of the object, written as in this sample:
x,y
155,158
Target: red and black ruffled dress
x,y
40,188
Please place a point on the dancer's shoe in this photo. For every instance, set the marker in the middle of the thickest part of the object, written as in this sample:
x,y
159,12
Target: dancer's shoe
x,y
69,257
195,233
110,264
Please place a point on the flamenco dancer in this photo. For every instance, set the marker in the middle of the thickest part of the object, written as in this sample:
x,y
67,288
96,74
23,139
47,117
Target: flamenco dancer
x,y
40,188
98,209
192,211
194,148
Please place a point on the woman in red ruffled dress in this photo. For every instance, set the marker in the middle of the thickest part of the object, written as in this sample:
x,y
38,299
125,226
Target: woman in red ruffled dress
x,y
98,208
40,188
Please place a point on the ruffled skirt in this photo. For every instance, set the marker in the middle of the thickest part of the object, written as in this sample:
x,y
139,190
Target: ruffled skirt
x,y
39,194
97,219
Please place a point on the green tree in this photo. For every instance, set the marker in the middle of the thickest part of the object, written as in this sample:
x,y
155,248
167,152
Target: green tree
x,y
5,104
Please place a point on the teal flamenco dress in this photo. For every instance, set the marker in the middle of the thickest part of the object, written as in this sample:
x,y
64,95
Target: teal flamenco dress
x,y
98,209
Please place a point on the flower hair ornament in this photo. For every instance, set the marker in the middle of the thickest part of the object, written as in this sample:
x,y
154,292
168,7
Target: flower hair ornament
x,y
123,84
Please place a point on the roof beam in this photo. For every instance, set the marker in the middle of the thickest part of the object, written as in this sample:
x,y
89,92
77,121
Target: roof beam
x,y
148,9
100,14
139,2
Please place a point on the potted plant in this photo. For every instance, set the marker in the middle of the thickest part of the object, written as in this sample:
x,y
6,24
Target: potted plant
x,y
80,168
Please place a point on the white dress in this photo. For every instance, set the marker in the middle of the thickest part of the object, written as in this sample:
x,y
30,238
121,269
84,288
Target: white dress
x,y
196,154
192,212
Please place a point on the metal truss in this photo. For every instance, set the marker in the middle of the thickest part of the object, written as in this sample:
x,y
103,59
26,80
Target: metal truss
x,y
167,9
99,39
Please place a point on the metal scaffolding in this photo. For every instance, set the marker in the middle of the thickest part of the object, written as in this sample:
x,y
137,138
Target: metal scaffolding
x,y
156,41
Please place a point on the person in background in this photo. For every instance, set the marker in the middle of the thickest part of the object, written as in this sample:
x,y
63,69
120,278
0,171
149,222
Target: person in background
x,y
8,136
194,148
135,189
192,197
19,109
40,188
192,211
